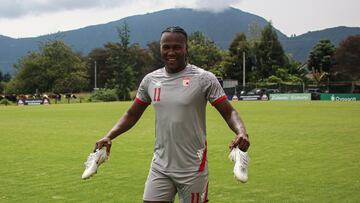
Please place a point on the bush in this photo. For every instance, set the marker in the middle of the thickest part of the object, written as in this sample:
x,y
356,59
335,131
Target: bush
x,y
274,79
5,102
105,95
294,79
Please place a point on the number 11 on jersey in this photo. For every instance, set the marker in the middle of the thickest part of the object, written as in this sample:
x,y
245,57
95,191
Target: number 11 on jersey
x,y
157,92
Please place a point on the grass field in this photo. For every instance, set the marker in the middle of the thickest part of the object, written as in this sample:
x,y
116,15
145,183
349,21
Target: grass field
x,y
300,152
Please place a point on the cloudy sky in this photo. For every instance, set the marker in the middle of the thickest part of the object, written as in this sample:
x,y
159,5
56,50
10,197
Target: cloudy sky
x,y
29,18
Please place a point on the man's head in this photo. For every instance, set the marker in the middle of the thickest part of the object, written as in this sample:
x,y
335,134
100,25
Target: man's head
x,y
174,48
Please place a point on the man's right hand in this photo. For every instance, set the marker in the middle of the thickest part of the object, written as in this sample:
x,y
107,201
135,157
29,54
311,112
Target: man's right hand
x,y
104,142
241,141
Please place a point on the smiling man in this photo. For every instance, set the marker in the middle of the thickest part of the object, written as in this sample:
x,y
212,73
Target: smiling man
x,y
179,93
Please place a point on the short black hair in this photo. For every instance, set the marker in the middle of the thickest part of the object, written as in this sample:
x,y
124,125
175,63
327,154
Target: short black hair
x,y
176,29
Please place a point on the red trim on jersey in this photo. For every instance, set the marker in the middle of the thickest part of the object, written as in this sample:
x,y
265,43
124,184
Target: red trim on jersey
x,y
141,102
159,91
203,161
206,193
218,100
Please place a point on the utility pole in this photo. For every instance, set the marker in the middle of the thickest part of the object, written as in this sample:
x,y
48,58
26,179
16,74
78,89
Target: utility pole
x,y
243,70
95,88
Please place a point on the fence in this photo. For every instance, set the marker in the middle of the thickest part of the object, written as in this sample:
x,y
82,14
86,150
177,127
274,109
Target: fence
x,y
331,87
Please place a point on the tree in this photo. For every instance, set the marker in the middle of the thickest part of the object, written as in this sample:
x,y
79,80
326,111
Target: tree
x,y
292,71
269,53
347,57
4,79
142,61
321,59
155,55
203,51
254,33
121,65
65,70
234,67
54,68
321,56
124,34
122,62
99,57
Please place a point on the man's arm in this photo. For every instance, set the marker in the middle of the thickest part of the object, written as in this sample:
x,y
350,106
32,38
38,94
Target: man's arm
x,y
233,120
127,121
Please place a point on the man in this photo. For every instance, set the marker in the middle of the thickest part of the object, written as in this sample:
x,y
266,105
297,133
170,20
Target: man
x,y
179,93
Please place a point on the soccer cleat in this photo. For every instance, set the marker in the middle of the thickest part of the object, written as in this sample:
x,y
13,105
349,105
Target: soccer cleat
x,y
241,160
93,162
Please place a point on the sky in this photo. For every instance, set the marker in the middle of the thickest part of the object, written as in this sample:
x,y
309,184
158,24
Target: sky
x,y
31,18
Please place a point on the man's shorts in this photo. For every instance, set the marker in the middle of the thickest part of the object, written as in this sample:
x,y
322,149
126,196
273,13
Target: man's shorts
x,y
192,187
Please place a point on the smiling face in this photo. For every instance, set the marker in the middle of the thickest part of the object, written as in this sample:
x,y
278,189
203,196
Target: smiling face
x,y
173,48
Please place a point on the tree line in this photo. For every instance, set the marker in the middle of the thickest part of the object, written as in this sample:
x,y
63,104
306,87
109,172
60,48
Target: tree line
x,y
120,66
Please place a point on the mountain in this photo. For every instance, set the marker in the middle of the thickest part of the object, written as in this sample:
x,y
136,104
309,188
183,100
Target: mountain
x,y
221,27
144,29
301,45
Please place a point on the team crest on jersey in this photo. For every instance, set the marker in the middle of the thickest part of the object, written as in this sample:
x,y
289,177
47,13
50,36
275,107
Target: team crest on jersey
x,y
186,82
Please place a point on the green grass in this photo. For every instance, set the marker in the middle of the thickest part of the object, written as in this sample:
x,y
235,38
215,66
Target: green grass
x,y
300,152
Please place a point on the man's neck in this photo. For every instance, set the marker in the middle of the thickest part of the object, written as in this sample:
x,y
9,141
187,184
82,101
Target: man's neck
x,y
172,71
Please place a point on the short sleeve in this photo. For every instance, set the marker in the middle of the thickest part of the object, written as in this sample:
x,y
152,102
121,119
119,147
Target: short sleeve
x,y
142,95
210,85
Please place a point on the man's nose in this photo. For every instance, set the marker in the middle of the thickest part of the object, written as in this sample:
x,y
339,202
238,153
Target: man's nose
x,y
171,51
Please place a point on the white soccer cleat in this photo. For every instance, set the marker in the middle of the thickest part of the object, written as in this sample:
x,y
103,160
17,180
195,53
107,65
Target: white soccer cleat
x,y
93,161
241,160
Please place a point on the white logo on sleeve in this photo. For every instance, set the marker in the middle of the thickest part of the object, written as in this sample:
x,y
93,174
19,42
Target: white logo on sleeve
x,y
158,84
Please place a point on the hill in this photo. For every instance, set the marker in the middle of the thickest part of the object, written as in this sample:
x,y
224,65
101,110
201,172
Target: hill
x,y
301,45
221,27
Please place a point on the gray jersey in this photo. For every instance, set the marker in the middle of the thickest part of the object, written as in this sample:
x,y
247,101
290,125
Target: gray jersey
x,y
180,101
